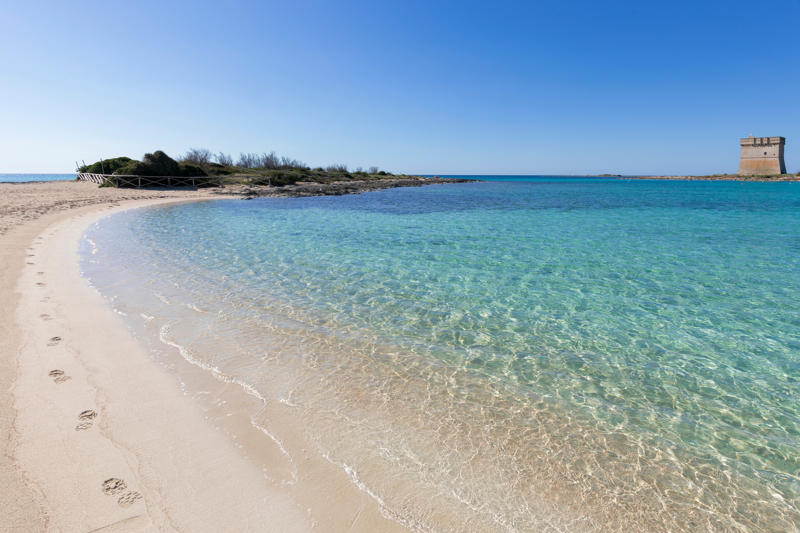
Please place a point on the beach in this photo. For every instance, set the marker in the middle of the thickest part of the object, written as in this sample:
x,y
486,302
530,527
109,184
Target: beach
x,y
385,267
536,354
97,436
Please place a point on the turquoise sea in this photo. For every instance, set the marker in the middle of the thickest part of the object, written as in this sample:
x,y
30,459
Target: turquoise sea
x,y
21,178
519,354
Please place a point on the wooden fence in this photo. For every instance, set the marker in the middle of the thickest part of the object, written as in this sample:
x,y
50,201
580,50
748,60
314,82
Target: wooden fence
x,y
94,178
138,182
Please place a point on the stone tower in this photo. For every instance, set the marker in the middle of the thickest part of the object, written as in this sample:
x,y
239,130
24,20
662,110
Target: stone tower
x,y
762,155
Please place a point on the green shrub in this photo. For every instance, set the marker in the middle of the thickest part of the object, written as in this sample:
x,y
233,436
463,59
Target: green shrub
x,y
106,166
266,168
135,168
218,169
190,170
161,164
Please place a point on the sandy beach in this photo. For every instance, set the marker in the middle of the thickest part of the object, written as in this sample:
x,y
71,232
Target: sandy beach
x,y
141,391
380,267
96,436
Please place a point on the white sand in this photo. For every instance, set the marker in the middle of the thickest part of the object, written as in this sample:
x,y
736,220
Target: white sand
x,y
178,471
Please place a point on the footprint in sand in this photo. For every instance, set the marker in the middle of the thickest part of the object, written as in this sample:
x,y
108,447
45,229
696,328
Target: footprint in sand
x,y
114,486
53,341
40,284
129,498
87,419
58,376
45,317
88,414
29,262
40,273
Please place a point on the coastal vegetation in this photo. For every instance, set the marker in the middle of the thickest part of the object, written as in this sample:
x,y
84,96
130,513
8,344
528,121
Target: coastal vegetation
x,y
249,168
106,166
152,164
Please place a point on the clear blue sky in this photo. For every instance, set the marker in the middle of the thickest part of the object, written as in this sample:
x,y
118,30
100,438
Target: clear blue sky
x,y
428,87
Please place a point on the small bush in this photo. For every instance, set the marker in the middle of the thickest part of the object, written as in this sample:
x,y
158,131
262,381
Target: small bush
x,y
224,159
269,161
190,170
133,168
159,164
218,169
106,166
288,162
197,156
336,168
249,160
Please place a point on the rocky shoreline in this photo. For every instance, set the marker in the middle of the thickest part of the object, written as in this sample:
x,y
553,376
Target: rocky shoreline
x,y
336,188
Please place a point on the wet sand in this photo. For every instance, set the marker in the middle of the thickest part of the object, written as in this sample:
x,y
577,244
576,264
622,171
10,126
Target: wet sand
x,y
97,436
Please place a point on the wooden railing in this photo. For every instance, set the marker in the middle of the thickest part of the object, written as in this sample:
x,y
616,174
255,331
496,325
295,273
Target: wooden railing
x,y
94,178
138,182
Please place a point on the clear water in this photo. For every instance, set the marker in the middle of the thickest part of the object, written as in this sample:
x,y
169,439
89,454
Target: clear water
x,y
20,178
527,355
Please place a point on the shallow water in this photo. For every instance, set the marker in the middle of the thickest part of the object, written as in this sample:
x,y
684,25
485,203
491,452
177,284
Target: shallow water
x,y
527,355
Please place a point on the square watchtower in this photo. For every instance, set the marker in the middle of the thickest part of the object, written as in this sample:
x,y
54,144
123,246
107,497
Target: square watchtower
x,y
762,155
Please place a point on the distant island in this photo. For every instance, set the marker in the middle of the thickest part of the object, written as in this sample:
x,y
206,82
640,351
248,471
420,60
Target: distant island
x,y
252,174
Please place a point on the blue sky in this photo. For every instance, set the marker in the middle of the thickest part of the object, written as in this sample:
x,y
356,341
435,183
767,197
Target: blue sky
x,y
428,87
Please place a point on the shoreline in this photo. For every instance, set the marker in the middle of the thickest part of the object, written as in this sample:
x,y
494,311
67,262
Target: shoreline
x,y
721,177
66,434
199,449
338,188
